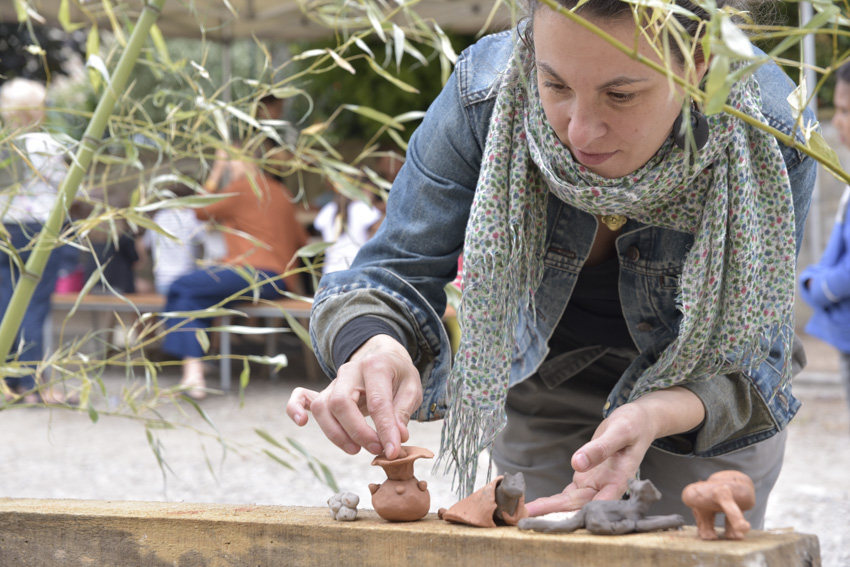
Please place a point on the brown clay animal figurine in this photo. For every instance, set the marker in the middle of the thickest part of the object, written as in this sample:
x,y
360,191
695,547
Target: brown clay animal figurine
x,y
729,492
401,498
502,501
612,517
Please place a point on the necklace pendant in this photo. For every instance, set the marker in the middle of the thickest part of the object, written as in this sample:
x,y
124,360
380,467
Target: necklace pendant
x,y
614,222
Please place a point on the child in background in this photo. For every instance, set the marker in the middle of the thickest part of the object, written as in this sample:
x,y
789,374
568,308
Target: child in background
x,y
348,224
826,285
174,257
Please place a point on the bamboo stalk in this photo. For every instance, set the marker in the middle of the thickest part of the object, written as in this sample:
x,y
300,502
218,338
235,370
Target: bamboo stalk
x,y
34,268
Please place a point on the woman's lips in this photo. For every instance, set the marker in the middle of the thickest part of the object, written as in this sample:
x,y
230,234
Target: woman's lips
x,y
592,159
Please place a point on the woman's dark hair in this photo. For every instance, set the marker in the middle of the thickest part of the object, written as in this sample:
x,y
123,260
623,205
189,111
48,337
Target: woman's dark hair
x,y
618,9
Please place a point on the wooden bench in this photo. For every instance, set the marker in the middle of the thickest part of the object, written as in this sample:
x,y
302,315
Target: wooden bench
x,y
140,303
57,533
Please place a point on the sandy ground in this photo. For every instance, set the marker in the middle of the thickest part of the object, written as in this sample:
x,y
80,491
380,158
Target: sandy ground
x,y
54,453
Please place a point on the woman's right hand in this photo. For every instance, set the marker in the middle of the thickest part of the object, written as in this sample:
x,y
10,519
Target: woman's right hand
x,y
380,381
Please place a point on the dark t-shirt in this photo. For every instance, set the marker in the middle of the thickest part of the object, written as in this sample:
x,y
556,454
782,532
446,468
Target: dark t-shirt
x,y
594,313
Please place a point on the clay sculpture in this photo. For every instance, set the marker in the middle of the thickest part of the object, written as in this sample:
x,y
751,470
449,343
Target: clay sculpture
x,y
343,506
401,498
729,492
502,501
612,517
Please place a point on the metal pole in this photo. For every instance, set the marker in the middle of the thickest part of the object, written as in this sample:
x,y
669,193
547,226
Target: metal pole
x,y
814,224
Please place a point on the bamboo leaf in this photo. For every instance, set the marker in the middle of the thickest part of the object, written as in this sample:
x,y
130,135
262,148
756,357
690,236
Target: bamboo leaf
x,y
716,86
160,45
313,249
93,415
410,116
193,202
203,339
244,377
826,155
117,29
95,63
341,62
391,78
398,45
375,115
207,313
735,39
362,45
64,17
375,20
266,436
328,476
298,447
278,460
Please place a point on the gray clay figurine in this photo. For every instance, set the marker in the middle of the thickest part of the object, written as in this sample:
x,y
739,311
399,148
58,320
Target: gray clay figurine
x,y
612,517
728,492
343,506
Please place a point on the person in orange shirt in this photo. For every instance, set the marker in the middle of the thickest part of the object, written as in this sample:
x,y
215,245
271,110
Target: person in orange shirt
x,y
261,233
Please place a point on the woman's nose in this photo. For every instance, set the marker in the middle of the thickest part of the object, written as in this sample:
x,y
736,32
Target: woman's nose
x,y
585,127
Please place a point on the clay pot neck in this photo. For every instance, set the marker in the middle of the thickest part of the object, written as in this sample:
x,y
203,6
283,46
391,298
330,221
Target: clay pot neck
x,y
399,470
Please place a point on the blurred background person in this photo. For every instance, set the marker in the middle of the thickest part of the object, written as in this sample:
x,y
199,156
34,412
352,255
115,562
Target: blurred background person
x,y
174,256
261,232
34,169
348,224
826,285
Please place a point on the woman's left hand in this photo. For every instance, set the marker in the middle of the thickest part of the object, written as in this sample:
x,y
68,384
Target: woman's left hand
x,y
605,464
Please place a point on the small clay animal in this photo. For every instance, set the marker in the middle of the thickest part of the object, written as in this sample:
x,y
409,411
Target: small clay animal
x,y
343,506
729,492
612,517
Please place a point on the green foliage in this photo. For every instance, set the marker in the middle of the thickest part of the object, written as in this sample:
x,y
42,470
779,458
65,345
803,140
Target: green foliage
x,y
832,47
336,87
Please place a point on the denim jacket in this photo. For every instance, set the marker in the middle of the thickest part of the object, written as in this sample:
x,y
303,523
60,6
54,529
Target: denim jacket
x,y
399,275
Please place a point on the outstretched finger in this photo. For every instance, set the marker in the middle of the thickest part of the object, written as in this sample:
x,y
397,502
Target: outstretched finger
x,y
299,405
572,498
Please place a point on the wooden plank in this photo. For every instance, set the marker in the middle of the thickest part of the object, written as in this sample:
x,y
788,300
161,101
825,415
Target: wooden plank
x,y
48,533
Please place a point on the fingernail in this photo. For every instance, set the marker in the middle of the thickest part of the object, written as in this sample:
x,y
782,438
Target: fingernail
x,y
374,448
299,417
351,448
582,462
389,449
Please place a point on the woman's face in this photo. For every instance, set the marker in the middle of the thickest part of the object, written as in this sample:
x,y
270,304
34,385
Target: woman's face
x,y
611,111
841,119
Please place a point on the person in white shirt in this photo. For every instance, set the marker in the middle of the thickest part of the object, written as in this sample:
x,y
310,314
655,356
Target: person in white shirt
x,y
348,230
174,257
35,167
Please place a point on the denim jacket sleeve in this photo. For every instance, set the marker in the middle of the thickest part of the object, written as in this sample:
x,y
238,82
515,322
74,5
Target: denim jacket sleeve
x,y
399,275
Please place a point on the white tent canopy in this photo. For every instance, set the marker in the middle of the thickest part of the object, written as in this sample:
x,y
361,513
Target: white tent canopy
x,y
278,20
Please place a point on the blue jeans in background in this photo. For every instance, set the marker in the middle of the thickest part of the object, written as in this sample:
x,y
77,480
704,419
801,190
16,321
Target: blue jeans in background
x,y
202,289
32,326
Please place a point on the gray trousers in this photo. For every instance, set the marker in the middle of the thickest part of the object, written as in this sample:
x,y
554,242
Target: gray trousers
x,y
546,425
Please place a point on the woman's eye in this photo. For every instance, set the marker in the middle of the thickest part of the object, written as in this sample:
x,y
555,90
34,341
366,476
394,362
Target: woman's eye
x,y
558,87
621,97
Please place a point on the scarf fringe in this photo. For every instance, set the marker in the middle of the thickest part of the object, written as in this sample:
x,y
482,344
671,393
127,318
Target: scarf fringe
x,y
471,423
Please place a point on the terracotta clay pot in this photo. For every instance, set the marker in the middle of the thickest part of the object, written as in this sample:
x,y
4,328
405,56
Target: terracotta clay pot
x,y
402,498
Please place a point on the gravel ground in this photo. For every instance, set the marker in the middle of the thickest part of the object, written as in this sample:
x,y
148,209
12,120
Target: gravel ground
x,y
54,453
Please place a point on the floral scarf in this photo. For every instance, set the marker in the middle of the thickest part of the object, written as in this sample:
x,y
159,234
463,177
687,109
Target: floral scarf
x,y
737,285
